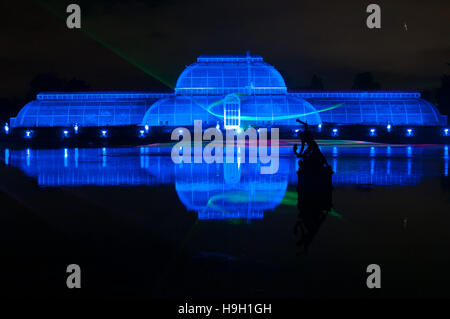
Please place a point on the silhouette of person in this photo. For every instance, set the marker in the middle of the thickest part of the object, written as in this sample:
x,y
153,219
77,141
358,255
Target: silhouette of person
x,y
314,189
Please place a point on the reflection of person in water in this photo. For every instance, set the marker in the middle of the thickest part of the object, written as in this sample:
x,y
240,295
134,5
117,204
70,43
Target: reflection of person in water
x,y
314,189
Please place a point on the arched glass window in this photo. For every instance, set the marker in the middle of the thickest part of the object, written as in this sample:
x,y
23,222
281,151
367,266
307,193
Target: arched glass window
x,y
232,111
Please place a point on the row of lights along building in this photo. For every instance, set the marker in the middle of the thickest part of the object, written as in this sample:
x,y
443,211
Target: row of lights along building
x,y
228,92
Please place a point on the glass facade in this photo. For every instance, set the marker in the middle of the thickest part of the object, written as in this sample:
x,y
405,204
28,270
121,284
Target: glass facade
x,y
231,91
255,110
376,110
219,75
89,112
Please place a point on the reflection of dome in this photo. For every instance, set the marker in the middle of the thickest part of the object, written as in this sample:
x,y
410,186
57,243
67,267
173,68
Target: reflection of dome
x,y
228,191
243,74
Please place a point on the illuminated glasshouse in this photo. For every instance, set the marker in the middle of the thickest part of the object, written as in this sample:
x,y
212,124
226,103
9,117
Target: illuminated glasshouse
x,y
227,91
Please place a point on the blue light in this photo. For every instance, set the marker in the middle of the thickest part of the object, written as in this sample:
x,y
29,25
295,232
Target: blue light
x,y
66,133
28,133
372,132
212,89
297,130
6,156
446,133
142,133
6,128
409,132
335,132
104,133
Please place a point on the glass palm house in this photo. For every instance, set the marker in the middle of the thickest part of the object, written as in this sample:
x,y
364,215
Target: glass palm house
x,y
229,91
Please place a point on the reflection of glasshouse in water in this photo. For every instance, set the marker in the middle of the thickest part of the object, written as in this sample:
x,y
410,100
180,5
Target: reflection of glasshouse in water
x,y
229,190
230,91
218,190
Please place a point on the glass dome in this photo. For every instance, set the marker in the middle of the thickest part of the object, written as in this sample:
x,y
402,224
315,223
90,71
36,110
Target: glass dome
x,y
245,74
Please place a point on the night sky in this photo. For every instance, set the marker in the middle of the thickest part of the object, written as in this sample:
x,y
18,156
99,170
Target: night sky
x,y
122,42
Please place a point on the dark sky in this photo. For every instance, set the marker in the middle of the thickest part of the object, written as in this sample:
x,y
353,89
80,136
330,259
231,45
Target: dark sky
x,y
300,38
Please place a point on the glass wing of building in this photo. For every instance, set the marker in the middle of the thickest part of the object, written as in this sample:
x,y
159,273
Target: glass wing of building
x,y
85,109
375,108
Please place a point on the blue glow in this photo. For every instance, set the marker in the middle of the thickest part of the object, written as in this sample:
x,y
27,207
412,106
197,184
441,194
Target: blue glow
x,y
6,156
335,132
103,133
65,133
372,132
28,133
378,108
6,128
66,156
409,151
335,151
446,160
75,128
222,75
409,132
224,190
445,132
232,91
76,157
28,157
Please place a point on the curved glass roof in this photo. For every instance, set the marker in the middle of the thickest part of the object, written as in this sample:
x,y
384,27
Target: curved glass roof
x,y
246,74
66,113
379,111
254,110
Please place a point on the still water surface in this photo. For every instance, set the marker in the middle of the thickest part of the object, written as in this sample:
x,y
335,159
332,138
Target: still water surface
x,y
232,227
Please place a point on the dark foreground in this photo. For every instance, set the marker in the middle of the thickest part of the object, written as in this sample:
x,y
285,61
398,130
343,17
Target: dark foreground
x,y
140,241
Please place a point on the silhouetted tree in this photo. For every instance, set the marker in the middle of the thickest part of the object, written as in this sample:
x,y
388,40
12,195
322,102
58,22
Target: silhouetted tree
x,y
9,108
45,82
443,95
316,83
365,82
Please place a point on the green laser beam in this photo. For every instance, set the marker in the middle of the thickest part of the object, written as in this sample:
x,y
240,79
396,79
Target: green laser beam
x,y
265,118
109,46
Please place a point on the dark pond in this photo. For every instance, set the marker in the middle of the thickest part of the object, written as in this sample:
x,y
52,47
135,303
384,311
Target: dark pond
x,y
140,225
